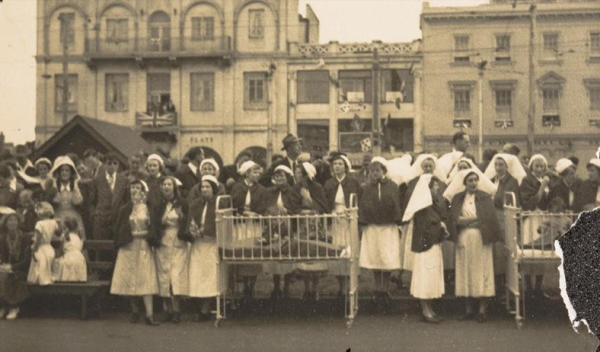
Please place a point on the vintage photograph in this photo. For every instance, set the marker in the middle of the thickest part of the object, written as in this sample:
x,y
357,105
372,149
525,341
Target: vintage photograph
x,y
299,175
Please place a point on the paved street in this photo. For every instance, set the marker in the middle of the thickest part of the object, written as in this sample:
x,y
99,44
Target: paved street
x,y
293,329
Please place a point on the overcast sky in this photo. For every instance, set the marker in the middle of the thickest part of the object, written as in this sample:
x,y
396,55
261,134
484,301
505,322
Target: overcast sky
x,y
341,20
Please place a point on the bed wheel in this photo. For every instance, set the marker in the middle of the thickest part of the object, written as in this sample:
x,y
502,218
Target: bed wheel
x,y
217,322
519,323
349,323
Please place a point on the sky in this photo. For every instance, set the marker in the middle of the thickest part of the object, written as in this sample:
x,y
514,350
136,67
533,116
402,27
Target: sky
x,y
341,20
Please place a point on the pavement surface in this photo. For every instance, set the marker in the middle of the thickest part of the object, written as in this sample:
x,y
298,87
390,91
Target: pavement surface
x,y
52,324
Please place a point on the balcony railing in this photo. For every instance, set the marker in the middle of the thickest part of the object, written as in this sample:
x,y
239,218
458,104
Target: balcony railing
x,y
336,48
157,47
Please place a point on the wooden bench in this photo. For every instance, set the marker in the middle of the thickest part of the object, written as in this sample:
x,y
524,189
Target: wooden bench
x,y
94,288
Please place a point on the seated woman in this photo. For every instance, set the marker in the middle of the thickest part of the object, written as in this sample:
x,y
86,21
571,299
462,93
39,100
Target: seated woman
x,y
379,215
15,258
312,201
204,255
71,265
474,227
280,199
47,230
427,210
338,190
135,268
247,199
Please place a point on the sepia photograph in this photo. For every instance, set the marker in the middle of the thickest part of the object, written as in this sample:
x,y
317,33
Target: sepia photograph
x,y
299,175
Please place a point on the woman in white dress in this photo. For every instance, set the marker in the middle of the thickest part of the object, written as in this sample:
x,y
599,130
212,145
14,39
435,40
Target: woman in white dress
x,y
427,211
135,269
67,198
168,223
46,230
204,257
474,227
71,266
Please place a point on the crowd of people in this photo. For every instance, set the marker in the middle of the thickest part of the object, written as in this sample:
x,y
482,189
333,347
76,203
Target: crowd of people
x,y
442,219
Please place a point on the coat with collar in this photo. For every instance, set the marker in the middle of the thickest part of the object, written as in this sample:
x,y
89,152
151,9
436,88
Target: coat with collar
x,y
558,189
349,186
156,219
384,211
487,219
196,209
290,198
188,179
106,203
528,190
123,235
257,194
317,194
508,184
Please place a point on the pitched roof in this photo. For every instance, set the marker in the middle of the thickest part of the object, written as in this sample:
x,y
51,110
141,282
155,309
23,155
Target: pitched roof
x,y
122,140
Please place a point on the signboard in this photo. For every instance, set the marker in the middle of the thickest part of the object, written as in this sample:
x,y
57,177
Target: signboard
x,y
355,142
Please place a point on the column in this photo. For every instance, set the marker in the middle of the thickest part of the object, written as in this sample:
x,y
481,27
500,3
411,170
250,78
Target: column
x,y
418,119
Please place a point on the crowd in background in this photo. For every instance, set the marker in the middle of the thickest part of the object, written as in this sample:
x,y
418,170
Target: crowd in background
x,y
441,218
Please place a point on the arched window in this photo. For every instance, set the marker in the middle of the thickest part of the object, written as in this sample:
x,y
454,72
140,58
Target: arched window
x,y
159,36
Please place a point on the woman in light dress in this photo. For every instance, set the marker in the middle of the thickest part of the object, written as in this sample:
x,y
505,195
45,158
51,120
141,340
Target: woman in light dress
x,y
135,268
47,230
168,223
71,266
427,211
67,198
474,227
204,257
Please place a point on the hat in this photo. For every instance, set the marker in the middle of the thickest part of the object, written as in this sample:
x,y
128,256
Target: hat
x,y
212,179
416,169
563,164
457,184
380,160
211,161
285,169
537,157
310,170
157,158
246,165
64,160
338,155
22,150
289,140
595,162
43,161
515,168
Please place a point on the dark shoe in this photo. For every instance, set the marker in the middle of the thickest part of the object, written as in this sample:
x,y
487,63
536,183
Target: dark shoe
x,y
431,320
176,318
467,316
438,317
481,318
168,318
202,317
150,321
135,318
276,294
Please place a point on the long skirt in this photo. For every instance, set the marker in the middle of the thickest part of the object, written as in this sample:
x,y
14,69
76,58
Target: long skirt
x,y
172,259
204,269
340,233
380,248
135,270
71,267
407,256
448,253
474,266
500,251
13,288
40,270
244,231
428,274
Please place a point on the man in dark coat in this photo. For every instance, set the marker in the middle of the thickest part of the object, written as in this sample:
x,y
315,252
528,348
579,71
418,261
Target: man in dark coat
x,y
189,174
293,148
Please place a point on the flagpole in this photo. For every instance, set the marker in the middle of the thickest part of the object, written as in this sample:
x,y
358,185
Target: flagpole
x,y
376,130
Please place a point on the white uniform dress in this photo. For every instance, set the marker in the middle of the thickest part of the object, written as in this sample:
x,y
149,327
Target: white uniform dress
x,y
172,257
40,270
380,247
340,232
245,230
71,267
135,269
474,260
203,265
278,268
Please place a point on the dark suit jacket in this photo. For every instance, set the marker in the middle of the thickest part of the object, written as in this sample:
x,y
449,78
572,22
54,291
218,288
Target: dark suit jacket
x,y
188,179
489,225
107,203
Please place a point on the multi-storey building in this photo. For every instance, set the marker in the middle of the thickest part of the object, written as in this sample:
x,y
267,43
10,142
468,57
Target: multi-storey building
x,y
494,39
223,74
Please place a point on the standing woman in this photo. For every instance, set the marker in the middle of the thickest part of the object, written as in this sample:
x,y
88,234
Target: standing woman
x,y
15,257
204,257
169,224
247,197
566,185
43,167
67,199
506,172
208,167
135,269
338,190
379,214
474,227
312,202
155,167
427,210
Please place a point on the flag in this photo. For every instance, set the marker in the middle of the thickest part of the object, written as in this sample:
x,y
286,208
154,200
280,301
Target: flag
x,y
154,120
365,144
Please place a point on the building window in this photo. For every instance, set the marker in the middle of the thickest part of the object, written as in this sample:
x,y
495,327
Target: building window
x,y
595,98
314,134
202,91
71,93
67,27
117,92
461,48
203,28
462,94
397,84
313,87
595,44
550,107
503,99
255,91
256,23
551,42
356,86
117,30
502,47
